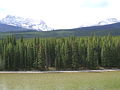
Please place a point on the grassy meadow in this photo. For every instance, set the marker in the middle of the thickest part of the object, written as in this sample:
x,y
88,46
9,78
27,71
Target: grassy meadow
x,y
61,81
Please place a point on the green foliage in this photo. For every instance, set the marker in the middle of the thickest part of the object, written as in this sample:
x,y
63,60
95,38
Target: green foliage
x,y
71,53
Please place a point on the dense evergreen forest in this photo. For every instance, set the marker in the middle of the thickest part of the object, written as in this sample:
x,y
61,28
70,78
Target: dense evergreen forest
x,y
70,53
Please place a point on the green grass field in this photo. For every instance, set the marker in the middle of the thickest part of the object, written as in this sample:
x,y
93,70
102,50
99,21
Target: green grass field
x,y
61,81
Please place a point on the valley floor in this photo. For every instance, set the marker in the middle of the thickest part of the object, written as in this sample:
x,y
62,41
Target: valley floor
x,y
82,80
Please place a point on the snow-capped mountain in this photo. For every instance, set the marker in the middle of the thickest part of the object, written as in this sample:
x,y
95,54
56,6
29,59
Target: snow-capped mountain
x,y
25,23
102,22
108,21
40,25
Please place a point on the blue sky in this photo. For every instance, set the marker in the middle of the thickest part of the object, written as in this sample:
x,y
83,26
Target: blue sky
x,y
95,4
62,13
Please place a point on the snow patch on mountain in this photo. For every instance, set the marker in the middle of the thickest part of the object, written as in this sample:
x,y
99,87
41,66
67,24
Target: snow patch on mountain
x,y
102,22
27,23
108,21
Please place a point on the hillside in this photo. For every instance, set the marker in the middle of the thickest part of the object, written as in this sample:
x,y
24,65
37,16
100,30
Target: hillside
x,y
112,29
8,28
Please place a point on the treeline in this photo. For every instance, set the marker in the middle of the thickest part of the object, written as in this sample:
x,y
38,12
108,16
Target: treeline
x,y
71,53
61,33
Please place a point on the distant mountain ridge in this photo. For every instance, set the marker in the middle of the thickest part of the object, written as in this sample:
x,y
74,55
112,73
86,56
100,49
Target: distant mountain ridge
x,y
18,24
102,22
9,28
27,23
102,27
108,21
103,30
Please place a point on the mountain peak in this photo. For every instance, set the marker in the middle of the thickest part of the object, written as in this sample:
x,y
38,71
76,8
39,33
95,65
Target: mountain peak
x,y
10,16
27,23
108,21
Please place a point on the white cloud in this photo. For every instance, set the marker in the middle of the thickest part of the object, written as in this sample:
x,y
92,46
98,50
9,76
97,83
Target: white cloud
x,y
62,13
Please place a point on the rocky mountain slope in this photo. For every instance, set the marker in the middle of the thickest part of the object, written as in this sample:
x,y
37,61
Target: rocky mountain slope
x,y
26,23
